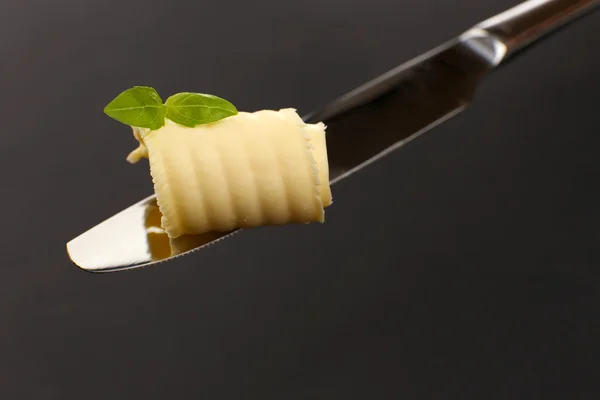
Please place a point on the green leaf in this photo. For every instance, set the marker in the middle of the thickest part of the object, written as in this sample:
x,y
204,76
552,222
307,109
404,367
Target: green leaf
x,y
139,106
192,109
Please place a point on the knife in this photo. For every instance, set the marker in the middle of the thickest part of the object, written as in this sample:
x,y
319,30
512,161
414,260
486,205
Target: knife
x,y
362,125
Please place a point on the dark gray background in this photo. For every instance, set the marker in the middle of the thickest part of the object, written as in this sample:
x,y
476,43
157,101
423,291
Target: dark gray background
x,y
465,266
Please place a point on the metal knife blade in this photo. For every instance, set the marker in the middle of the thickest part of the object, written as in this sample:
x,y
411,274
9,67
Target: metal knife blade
x,y
362,126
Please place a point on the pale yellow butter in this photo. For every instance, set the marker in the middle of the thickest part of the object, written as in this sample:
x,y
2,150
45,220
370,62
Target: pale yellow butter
x,y
248,170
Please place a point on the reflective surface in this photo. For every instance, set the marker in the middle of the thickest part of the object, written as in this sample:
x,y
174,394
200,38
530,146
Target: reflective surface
x,y
363,126
132,238
531,20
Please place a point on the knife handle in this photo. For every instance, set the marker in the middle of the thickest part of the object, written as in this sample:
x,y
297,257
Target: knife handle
x,y
521,26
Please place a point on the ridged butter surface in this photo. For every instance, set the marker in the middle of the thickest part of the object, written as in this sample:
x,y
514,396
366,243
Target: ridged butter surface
x,y
248,170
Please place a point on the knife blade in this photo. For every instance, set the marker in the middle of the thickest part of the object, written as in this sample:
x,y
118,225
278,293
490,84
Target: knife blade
x,y
362,126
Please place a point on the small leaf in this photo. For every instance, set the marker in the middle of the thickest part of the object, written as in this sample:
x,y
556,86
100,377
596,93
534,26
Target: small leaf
x,y
139,106
193,109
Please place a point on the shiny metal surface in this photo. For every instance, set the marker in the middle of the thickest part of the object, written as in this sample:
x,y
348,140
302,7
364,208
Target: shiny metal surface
x,y
363,125
533,20
130,239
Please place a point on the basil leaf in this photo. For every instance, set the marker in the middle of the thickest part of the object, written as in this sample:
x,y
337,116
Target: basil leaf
x,y
139,106
192,109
